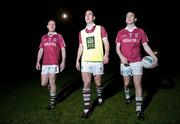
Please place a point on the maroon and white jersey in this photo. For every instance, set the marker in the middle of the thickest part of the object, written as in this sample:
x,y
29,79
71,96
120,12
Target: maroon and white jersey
x,y
130,43
51,45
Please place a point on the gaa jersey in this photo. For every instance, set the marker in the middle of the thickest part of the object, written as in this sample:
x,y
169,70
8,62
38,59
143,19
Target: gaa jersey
x,y
92,43
51,45
130,43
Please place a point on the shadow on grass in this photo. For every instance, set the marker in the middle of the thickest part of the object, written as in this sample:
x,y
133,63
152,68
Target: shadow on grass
x,y
71,86
113,85
152,81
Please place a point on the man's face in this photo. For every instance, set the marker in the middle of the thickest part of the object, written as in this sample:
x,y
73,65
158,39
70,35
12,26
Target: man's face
x,y
130,18
51,26
89,17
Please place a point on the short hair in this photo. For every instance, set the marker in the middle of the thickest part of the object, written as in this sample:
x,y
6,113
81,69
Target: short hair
x,y
129,11
90,9
52,20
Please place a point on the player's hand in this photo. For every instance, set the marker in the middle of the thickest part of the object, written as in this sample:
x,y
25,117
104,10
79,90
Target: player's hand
x,y
105,59
124,60
78,66
155,62
62,66
38,66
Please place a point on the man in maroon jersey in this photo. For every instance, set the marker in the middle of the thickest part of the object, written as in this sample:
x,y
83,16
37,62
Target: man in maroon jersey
x,y
52,48
128,43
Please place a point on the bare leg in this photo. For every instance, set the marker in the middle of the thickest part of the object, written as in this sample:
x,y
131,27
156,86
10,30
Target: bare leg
x,y
139,98
86,93
99,88
44,79
127,80
52,82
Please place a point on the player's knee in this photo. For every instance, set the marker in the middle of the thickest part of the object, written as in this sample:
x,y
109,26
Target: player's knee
x,y
43,84
98,84
126,84
87,84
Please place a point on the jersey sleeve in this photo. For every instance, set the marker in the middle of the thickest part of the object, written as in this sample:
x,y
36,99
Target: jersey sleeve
x,y
61,41
103,32
144,37
118,37
41,44
80,40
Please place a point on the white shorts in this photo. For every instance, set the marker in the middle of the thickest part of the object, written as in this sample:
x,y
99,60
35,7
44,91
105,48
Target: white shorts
x,y
50,69
96,68
135,68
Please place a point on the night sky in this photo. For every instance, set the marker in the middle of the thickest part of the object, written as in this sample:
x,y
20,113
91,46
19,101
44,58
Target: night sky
x,y
25,23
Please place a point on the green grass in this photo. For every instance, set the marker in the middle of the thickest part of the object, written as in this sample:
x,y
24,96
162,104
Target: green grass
x,y
26,102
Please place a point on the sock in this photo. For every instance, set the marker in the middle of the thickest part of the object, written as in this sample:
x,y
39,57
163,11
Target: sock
x,y
52,98
139,103
127,92
99,93
86,98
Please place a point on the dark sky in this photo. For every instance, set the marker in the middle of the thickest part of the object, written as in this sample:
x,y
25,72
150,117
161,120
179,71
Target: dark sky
x,y
26,22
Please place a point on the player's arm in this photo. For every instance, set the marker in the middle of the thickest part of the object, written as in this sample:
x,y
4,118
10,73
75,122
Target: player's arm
x,y
62,65
150,52
79,54
39,56
107,48
106,45
123,59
